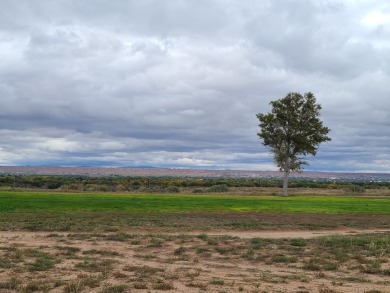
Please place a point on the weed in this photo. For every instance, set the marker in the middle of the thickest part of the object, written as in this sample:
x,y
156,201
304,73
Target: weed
x,y
312,266
12,284
35,286
372,268
284,259
358,279
92,265
146,256
114,289
203,251
303,277
195,284
163,285
298,242
212,241
257,243
140,285
68,251
192,273
179,251
119,275
5,263
143,271
217,281
249,254
74,287
14,254
43,262
386,272
118,237
203,236
91,281
330,266
155,242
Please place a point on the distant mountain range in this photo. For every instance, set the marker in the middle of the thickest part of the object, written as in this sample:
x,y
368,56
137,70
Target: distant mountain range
x,y
161,172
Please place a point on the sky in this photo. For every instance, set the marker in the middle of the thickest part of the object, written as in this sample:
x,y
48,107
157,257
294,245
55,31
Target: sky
x,y
178,83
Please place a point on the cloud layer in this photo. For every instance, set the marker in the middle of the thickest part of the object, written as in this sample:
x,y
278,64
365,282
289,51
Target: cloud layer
x,y
178,83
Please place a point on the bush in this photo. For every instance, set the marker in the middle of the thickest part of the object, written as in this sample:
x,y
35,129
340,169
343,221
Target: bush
x,y
102,188
73,187
218,188
172,189
353,188
197,190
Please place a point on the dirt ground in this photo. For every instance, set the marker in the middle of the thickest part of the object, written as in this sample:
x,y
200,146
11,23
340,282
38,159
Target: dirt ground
x,y
219,261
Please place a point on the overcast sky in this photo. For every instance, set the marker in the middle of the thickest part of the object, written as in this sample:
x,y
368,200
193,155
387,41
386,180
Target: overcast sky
x,y
178,83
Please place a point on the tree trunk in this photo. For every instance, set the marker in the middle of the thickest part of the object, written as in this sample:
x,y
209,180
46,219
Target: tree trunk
x,y
285,182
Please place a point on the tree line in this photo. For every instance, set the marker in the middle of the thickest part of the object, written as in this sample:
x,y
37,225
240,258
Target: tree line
x,y
168,184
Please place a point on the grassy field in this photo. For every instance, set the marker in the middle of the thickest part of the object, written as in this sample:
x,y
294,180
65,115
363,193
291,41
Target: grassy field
x,y
44,211
142,243
16,202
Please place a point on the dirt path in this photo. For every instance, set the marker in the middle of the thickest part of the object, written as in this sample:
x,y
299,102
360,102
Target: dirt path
x,y
271,234
297,234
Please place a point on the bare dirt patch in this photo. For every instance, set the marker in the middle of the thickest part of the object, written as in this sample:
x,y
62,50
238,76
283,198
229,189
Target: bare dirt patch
x,y
108,221
242,261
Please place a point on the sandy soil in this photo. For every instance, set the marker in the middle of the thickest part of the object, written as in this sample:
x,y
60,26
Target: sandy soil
x,y
143,262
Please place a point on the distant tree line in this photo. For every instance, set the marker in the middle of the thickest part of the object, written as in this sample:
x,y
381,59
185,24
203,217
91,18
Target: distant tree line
x,y
169,184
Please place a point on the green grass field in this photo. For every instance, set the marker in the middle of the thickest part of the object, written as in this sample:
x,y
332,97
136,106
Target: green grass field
x,y
51,211
121,242
17,202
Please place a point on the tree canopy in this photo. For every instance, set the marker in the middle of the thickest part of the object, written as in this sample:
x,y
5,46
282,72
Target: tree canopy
x,y
291,130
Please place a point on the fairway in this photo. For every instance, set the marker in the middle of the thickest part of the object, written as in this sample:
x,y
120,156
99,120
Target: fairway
x,y
28,202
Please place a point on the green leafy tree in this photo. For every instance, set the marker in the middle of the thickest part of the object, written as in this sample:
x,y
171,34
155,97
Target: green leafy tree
x,y
292,130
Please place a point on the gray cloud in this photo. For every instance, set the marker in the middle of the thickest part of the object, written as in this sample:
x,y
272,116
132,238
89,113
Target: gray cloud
x,y
178,83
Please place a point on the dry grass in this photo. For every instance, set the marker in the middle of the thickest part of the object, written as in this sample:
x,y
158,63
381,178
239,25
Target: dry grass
x,y
189,263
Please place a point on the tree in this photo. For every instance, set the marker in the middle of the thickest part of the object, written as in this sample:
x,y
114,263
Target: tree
x,y
291,130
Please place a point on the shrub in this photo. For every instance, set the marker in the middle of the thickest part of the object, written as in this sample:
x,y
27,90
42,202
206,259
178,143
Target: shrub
x,y
218,188
197,190
102,188
172,189
217,281
353,188
180,251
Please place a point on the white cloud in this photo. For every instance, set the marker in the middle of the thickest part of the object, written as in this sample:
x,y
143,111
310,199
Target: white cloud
x,y
179,83
376,18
